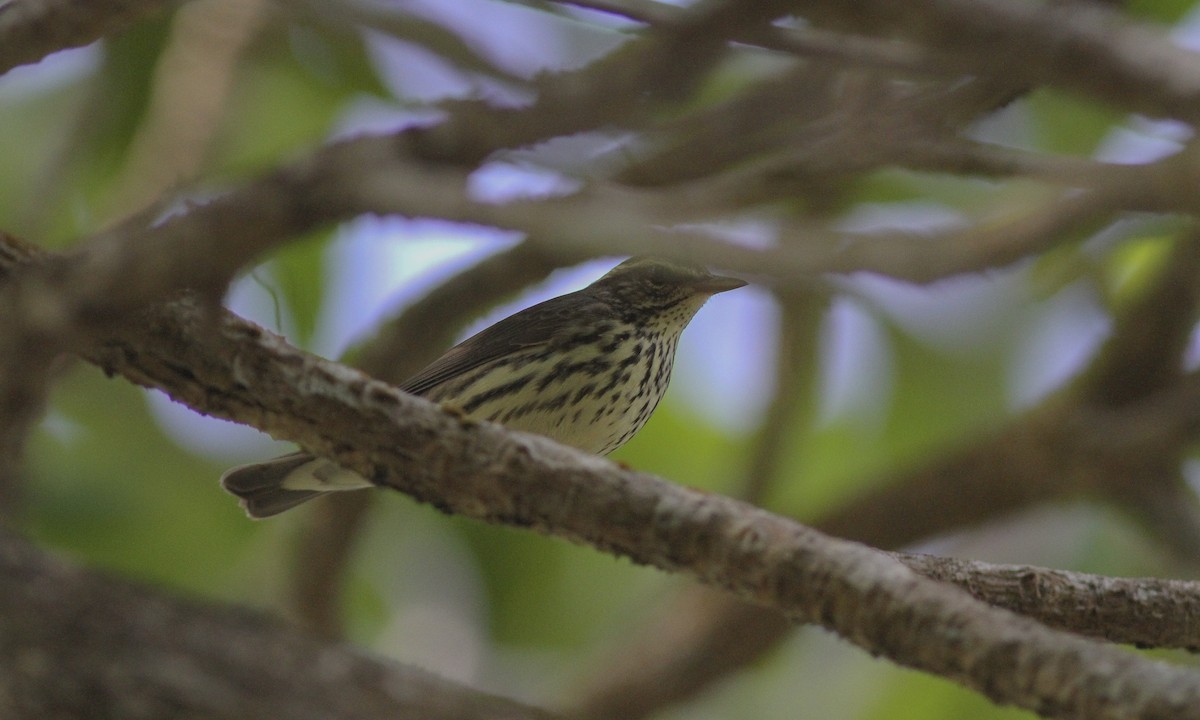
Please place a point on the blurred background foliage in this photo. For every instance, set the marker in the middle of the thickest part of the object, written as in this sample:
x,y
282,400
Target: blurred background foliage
x,y
125,480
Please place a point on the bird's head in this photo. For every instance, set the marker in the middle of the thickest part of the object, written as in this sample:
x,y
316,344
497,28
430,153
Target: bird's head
x,y
656,287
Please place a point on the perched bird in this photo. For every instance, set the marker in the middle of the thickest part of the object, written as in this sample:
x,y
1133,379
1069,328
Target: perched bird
x,y
586,369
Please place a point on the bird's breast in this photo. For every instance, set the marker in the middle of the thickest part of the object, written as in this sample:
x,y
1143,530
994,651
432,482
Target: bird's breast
x,y
592,395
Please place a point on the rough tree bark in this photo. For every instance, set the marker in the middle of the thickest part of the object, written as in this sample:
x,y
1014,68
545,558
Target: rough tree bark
x,y
73,643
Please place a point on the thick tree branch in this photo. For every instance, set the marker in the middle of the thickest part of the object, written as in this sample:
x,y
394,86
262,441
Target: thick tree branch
x,y
1052,453
78,644
706,635
1003,473
202,248
32,29
302,398
482,471
115,273
1140,611
54,309
806,43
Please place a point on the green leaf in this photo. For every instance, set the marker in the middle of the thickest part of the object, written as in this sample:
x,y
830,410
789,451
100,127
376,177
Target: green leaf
x,y
111,487
1133,266
298,273
917,696
338,61
1069,124
289,94
126,77
1165,11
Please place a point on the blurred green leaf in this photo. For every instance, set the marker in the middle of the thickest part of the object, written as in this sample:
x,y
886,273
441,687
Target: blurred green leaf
x,y
110,487
109,484
274,112
1132,266
290,92
64,143
681,446
572,582
125,77
339,61
37,127
1166,11
1070,125
916,696
895,185
1057,268
938,399
298,271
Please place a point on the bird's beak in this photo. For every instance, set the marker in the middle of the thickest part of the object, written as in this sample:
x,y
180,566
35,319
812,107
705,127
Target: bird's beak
x,y
717,284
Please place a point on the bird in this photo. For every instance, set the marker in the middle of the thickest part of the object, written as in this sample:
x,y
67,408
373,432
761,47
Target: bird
x,y
586,369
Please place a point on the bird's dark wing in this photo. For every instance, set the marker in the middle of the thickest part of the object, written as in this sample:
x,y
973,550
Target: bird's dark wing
x,y
538,325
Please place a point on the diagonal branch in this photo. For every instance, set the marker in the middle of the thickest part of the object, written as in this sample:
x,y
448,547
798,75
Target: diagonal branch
x,y
113,274
1166,613
1076,46
485,472
29,31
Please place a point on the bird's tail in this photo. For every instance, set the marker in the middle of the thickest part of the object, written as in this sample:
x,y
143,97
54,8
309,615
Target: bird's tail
x,y
268,488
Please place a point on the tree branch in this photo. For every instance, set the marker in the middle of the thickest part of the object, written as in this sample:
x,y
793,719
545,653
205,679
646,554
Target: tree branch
x,y
32,29
806,43
1147,612
78,644
482,471
1003,473
1075,46
202,248
485,472
87,298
